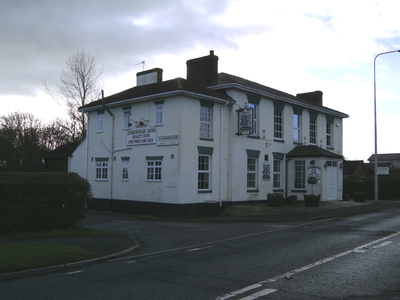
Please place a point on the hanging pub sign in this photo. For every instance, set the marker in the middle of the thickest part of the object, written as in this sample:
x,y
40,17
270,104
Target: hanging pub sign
x,y
141,134
245,120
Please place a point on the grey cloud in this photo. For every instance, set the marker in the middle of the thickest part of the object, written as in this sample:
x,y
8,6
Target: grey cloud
x,y
36,37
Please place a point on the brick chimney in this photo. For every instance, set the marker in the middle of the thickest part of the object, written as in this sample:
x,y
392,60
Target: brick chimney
x,y
311,97
149,77
203,70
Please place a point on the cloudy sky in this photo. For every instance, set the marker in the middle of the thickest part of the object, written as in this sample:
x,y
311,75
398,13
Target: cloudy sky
x,y
293,46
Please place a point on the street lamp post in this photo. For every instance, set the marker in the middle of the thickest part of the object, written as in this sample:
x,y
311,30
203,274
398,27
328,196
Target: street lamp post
x,y
376,126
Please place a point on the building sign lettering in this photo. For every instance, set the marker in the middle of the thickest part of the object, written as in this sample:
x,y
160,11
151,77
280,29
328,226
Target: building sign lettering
x,y
141,136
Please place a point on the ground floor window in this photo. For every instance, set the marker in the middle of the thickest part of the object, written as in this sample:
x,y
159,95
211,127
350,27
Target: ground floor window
x,y
154,168
299,174
277,173
251,172
125,168
101,168
203,179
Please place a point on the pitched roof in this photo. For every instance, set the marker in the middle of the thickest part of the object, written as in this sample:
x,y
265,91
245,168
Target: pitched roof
x,y
225,79
161,89
63,151
385,157
311,151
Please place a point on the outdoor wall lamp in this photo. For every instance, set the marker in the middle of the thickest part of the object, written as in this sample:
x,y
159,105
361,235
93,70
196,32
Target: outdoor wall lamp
x,y
376,127
141,123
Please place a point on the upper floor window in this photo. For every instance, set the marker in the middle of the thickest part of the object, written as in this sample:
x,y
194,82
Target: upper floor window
x,y
127,117
205,122
313,128
278,123
296,127
254,118
100,121
329,131
159,112
278,120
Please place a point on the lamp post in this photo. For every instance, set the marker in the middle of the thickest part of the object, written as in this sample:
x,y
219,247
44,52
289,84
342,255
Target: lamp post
x,y
376,126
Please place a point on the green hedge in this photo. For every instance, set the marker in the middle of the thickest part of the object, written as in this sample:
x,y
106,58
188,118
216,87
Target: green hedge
x,y
41,201
388,187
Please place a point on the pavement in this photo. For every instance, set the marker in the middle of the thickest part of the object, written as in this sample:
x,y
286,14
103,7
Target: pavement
x,y
113,245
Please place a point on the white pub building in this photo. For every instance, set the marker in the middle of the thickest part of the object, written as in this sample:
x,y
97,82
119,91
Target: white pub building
x,y
187,147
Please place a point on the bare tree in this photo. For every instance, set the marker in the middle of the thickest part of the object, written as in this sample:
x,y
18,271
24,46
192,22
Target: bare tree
x,y
79,85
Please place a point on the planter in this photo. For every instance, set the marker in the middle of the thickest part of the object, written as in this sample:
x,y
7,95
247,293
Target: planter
x,y
275,199
312,200
291,200
359,197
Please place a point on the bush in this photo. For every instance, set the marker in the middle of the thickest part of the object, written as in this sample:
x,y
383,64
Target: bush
x,y
388,187
41,201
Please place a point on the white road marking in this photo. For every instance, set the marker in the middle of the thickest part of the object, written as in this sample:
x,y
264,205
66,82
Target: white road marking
x,y
240,292
307,267
383,244
131,261
218,241
74,272
259,294
197,249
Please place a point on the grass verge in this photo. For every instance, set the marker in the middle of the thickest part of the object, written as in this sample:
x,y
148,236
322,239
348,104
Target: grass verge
x,y
18,253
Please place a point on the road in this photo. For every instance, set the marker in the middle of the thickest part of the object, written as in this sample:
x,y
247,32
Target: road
x,y
341,258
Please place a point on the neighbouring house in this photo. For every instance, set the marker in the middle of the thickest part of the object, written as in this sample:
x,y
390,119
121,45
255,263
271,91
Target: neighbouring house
x,y
59,160
356,169
388,163
189,146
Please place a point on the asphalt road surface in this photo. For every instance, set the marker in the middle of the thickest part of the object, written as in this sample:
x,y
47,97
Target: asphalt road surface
x,y
341,258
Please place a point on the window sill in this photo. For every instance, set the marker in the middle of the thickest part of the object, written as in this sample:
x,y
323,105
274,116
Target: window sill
x,y
206,139
253,137
204,191
330,148
278,190
297,143
299,191
97,179
253,191
279,140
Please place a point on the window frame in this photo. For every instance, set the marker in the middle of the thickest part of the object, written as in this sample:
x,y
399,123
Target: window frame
x,y
299,178
251,177
101,171
127,117
313,130
100,122
206,122
278,123
154,169
277,175
204,172
329,133
159,113
297,127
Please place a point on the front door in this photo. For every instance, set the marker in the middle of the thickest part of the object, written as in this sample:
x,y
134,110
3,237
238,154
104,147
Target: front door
x,y
331,181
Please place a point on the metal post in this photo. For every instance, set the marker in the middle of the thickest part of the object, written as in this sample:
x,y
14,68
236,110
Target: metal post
x,y
376,128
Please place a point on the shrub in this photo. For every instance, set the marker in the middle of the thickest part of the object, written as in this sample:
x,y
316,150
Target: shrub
x,y
41,201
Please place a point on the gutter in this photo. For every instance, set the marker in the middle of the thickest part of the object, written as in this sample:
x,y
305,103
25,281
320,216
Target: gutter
x,y
112,144
156,96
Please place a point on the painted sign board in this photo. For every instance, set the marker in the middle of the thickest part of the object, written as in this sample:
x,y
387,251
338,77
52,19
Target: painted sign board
x,y
143,135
